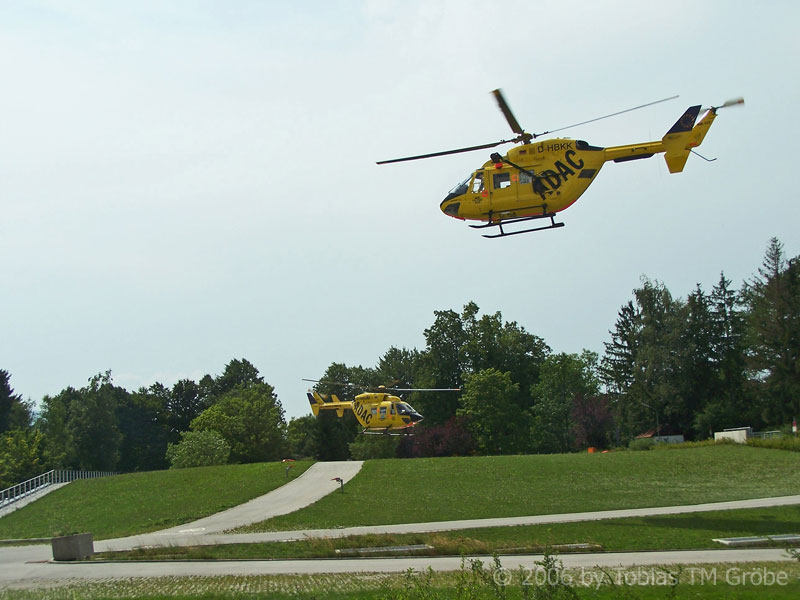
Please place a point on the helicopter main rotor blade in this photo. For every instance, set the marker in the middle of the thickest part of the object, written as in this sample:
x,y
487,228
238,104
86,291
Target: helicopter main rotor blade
x,y
512,121
446,152
627,110
423,389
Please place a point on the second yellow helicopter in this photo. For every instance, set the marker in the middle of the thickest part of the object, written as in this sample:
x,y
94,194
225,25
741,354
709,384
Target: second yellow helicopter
x,y
538,179
377,411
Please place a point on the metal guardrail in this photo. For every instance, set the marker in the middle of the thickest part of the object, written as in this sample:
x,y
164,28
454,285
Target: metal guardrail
x,y
21,490
767,434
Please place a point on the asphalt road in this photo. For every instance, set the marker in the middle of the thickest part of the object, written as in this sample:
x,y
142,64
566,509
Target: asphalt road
x,y
31,566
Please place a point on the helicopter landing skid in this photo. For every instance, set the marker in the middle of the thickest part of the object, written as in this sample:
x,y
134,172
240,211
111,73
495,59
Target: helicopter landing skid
x,y
386,432
503,233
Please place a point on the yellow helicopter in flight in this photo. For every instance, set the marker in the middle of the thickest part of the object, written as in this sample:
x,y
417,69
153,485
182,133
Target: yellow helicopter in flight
x,y
538,179
378,412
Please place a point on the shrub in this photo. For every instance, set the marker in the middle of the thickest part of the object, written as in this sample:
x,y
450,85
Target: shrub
x,y
374,446
198,449
642,444
778,443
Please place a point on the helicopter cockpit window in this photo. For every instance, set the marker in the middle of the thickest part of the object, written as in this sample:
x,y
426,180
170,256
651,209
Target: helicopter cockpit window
x,y
477,183
404,408
461,188
501,180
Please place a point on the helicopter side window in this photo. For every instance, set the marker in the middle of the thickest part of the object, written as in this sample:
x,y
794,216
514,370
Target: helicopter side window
x,y
501,181
383,412
374,411
524,177
391,409
477,183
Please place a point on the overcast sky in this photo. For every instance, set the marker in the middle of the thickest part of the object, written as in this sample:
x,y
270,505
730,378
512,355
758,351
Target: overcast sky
x,y
183,183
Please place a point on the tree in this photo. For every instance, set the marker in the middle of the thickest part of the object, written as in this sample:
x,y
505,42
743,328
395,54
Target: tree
x,y
563,378
641,368
592,421
22,456
459,345
496,423
186,401
251,419
303,437
237,373
53,422
93,430
725,388
773,333
14,412
398,367
198,449
142,418
441,366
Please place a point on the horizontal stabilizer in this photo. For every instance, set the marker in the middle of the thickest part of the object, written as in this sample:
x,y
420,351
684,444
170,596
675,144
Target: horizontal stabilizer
x,y
319,402
684,135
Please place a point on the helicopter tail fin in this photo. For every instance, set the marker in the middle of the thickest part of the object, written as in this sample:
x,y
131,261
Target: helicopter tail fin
x,y
315,401
678,140
319,402
685,135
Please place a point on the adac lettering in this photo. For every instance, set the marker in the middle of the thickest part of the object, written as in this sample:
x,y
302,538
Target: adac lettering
x,y
550,180
362,413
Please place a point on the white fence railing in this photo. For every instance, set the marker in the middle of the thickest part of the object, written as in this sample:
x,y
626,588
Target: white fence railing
x,y
26,488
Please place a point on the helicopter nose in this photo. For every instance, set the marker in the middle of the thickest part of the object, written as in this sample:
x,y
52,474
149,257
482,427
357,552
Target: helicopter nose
x,y
451,209
415,417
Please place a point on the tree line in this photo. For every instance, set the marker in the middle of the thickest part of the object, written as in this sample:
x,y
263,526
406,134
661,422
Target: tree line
x,y
720,358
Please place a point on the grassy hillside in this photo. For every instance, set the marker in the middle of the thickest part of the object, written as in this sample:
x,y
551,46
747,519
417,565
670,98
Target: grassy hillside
x,y
142,502
421,490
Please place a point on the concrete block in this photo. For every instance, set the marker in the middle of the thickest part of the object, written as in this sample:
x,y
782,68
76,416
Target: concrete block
x,y
73,547
737,436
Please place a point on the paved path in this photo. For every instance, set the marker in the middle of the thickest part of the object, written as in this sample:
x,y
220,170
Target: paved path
x,y
186,536
317,481
26,574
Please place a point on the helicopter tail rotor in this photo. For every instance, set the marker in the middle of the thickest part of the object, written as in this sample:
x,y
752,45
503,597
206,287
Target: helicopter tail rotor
x,y
685,135
728,103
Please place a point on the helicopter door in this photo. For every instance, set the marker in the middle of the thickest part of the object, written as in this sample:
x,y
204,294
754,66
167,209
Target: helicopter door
x,y
503,189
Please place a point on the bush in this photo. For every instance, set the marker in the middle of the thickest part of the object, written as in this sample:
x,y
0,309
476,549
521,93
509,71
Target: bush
x,y
198,449
374,446
778,443
642,444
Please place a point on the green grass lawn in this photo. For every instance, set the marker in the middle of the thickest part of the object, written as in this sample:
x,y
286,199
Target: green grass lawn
x,y
666,532
141,502
441,489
